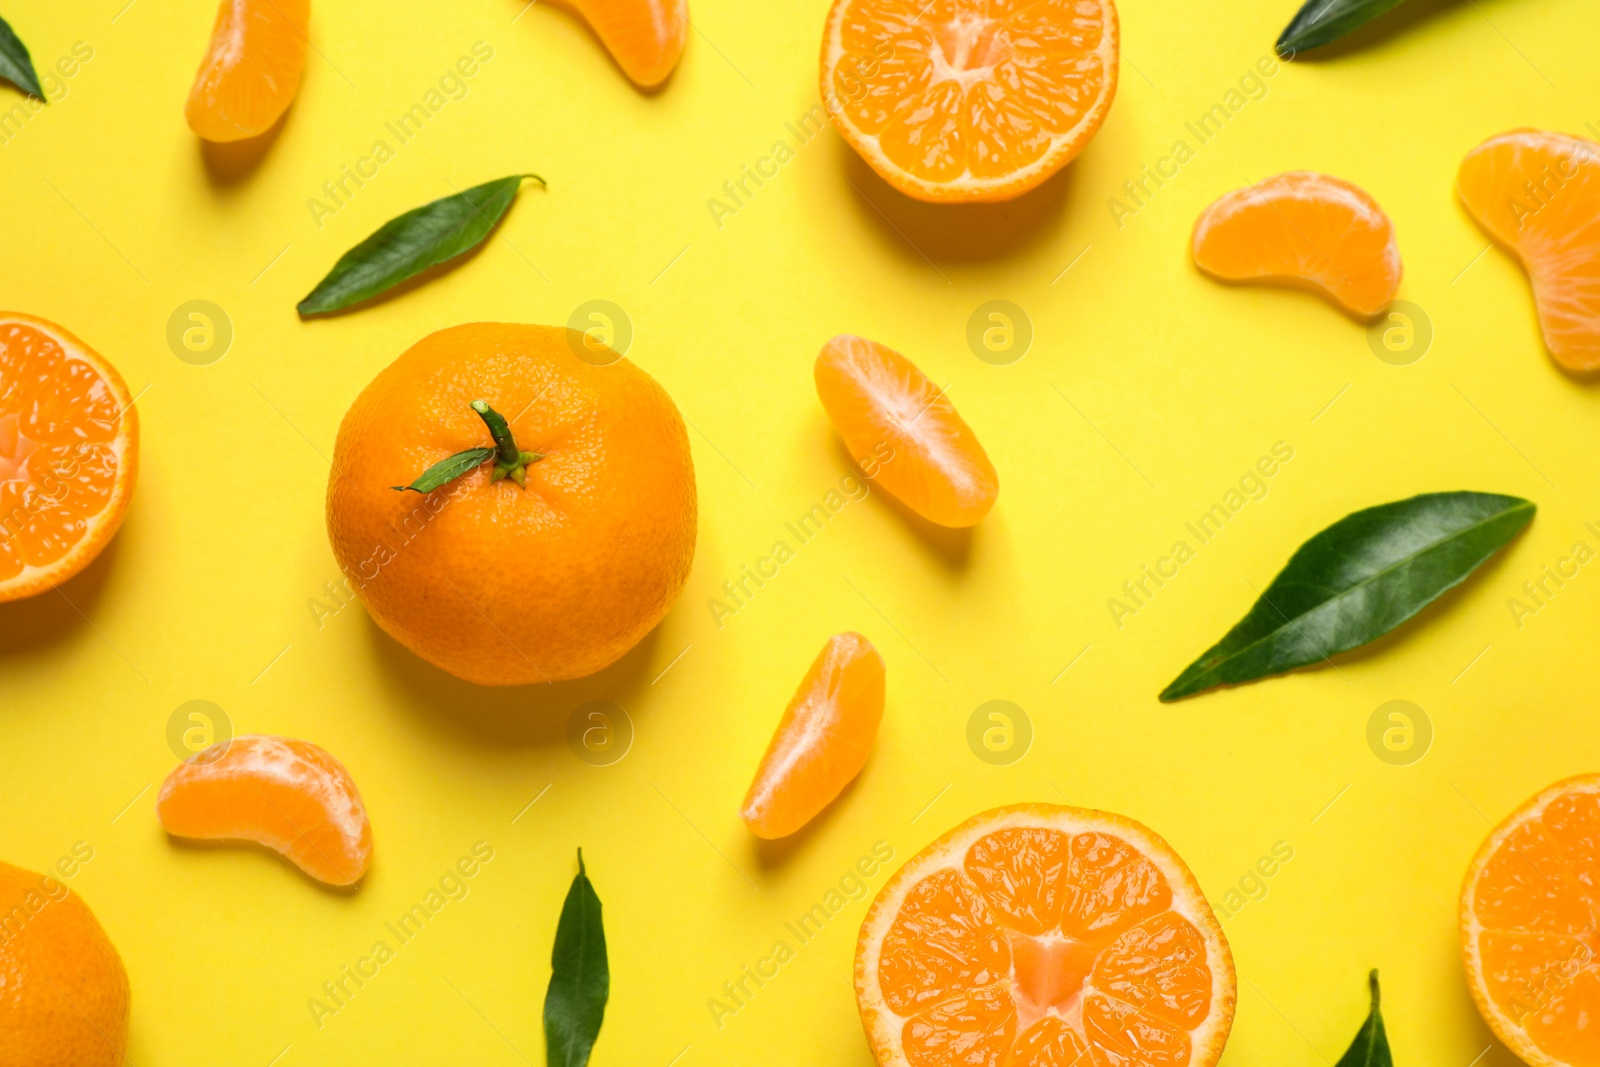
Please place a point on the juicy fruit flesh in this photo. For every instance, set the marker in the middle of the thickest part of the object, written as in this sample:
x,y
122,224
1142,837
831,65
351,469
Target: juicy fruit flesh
x,y
1304,228
1533,914
970,93
1538,194
904,432
645,37
1041,948
251,69
823,740
286,794
59,449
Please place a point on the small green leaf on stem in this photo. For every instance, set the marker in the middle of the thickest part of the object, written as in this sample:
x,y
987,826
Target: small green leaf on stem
x,y
580,979
16,66
447,470
1357,580
1371,1046
1321,22
409,244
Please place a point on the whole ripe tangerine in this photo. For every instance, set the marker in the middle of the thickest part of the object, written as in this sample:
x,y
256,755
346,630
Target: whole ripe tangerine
x,y
549,574
63,990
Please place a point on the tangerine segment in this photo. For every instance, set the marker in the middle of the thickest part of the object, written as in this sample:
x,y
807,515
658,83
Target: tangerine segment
x,y
251,69
69,452
1305,229
904,432
1538,195
284,793
969,100
1044,936
645,37
1529,940
822,741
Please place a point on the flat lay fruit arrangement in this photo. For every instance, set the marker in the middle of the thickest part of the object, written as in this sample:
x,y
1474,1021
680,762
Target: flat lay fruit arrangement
x,y
503,558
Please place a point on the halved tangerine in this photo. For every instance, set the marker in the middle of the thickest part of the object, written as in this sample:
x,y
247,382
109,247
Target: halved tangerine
x,y
1040,935
1530,905
1538,195
287,794
69,451
1304,229
969,100
251,69
904,432
822,741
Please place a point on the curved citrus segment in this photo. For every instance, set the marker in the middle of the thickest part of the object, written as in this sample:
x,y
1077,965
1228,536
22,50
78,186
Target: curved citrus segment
x,y
251,70
904,432
823,740
969,100
63,989
1044,936
1528,935
1305,229
286,794
1538,195
645,37
69,450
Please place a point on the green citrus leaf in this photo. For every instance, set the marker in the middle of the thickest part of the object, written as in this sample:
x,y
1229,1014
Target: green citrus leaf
x,y
580,979
1320,22
447,470
16,66
406,246
1357,580
1371,1046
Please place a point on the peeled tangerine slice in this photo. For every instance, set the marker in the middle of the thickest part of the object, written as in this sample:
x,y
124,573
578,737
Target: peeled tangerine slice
x,y
1304,229
645,37
286,794
904,432
1538,194
823,740
251,70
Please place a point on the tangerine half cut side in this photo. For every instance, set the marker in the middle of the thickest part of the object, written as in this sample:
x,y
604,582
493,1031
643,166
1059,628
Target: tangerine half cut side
x,y
1537,194
251,70
822,741
287,794
1529,943
69,452
1041,935
969,100
904,433
1303,229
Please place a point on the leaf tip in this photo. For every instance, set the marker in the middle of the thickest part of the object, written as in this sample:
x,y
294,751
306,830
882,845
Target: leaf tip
x,y
583,873
1372,981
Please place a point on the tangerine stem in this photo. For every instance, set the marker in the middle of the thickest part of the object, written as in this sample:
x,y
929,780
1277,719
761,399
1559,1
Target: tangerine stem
x,y
510,461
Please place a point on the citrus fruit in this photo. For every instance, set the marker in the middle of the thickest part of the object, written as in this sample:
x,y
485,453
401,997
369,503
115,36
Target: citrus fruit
x,y
1038,936
969,100
1528,935
645,37
63,990
822,741
1538,195
1303,229
904,432
251,69
69,450
280,792
501,581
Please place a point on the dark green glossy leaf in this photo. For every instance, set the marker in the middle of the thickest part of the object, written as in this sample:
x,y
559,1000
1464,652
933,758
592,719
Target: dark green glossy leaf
x,y
1322,21
580,979
448,470
16,66
406,246
1371,1046
1357,580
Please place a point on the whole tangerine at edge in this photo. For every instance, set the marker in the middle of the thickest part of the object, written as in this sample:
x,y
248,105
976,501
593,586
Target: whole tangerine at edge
x,y
500,583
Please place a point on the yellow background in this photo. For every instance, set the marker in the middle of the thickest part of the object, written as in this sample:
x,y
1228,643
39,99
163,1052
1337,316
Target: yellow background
x,y
1147,392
